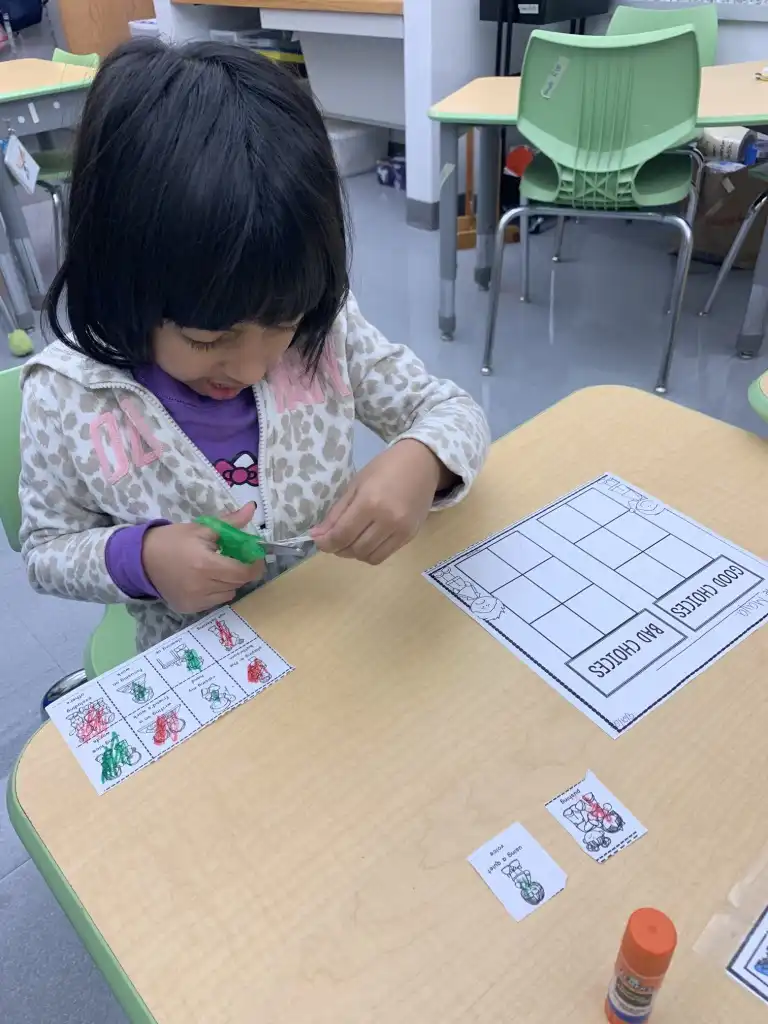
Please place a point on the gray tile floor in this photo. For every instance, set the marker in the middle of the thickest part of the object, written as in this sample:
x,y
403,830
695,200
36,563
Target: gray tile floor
x,y
590,322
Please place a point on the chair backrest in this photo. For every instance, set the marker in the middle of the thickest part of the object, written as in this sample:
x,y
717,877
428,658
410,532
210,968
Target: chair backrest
x,y
10,453
600,107
703,18
83,60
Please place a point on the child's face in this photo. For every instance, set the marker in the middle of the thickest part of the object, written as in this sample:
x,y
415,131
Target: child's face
x,y
220,364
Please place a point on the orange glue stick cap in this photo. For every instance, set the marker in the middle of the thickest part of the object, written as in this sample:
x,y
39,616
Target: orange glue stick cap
x,y
649,942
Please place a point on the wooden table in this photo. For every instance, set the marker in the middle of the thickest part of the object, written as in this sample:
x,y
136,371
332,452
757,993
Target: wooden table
x,y
730,94
303,860
36,97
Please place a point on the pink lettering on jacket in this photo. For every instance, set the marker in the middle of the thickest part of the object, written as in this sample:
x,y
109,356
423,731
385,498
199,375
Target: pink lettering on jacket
x,y
104,426
292,386
144,446
140,431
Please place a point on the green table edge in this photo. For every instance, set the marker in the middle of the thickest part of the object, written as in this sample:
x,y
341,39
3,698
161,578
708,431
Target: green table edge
x,y
479,120
92,939
30,94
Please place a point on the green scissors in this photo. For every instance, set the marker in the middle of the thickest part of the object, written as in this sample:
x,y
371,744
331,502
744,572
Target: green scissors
x,y
245,547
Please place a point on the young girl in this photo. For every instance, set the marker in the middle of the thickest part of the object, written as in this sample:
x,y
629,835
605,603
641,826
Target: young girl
x,y
210,359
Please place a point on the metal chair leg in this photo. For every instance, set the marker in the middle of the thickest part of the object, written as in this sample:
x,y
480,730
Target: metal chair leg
x,y
495,285
690,215
559,239
735,249
681,277
697,159
525,255
58,226
64,685
56,192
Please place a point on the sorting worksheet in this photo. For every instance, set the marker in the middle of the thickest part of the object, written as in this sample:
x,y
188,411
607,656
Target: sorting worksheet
x,y
611,596
749,966
128,717
597,820
518,871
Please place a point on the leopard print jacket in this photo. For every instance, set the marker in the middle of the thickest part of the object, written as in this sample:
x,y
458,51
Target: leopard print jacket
x,y
100,452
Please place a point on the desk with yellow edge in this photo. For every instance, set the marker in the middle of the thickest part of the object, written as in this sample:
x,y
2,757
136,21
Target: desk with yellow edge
x,y
303,860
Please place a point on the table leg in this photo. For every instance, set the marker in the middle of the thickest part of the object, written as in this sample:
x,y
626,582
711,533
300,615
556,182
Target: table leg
x,y
750,339
449,212
18,235
487,188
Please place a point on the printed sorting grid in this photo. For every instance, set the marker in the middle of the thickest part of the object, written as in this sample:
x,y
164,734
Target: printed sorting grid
x,y
565,607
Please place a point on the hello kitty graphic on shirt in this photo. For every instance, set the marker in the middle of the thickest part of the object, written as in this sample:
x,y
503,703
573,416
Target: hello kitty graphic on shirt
x,y
242,475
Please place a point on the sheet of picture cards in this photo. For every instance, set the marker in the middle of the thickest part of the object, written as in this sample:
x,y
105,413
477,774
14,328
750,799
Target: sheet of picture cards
x,y
749,965
611,596
125,719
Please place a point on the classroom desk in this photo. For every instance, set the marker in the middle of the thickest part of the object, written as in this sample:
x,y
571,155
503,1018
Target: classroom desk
x,y
730,94
303,860
36,96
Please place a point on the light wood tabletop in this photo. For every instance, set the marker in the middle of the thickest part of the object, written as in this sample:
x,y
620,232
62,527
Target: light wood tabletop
x,y
730,94
334,6
30,76
303,860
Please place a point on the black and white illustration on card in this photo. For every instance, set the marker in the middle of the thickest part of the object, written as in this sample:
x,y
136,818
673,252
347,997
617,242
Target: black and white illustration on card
x,y
611,596
598,821
749,965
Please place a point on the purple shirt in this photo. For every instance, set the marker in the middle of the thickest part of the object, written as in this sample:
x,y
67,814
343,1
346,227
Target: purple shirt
x,y
226,432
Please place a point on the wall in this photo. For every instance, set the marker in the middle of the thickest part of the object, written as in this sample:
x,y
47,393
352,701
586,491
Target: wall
x,y
445,47
742,40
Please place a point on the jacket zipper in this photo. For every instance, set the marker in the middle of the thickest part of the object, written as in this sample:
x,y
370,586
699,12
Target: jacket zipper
x,y
261,455
147,395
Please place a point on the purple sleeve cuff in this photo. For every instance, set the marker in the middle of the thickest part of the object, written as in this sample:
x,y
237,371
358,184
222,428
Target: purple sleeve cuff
x,y
123,558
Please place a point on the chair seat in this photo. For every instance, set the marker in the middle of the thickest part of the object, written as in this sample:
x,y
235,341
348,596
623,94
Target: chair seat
x,y
112,642
54,163
662,181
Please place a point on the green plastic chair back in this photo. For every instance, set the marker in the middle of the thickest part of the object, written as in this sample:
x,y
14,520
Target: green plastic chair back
x,y
600,108
82,60
702,17
10,453
112,642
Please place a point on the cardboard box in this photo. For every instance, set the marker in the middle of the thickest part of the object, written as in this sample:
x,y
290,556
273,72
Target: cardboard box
x,y
727,192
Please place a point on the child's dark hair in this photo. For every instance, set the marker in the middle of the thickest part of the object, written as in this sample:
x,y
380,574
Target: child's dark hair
x,y
204,192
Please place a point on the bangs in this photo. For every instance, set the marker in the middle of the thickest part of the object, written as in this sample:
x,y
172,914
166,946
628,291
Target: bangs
x,y
233,261
204,192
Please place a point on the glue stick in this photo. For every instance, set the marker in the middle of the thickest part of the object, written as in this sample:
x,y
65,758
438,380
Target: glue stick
x,y
644,956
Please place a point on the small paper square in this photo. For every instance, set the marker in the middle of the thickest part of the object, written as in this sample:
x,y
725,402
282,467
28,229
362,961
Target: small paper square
x,y
518,871
597,820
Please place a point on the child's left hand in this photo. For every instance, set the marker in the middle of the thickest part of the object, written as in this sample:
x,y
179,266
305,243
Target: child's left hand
x,y
385,505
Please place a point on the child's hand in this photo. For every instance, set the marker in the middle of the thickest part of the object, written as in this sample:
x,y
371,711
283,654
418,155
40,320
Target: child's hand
x,y
385,505
186,569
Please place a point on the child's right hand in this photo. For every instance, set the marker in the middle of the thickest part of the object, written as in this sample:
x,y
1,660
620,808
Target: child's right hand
x,y
183,563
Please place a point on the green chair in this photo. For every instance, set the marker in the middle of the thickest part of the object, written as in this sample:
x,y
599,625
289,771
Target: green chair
x,y
603,114
758,396
114,639
703,18
56,164
82,60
